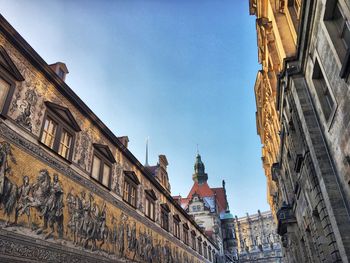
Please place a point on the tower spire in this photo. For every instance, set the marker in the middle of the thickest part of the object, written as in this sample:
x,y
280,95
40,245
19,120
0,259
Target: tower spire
x,y
146,163
199,175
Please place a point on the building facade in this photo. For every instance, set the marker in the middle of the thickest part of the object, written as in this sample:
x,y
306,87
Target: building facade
x,y
210,210
302,97
257,238
70,190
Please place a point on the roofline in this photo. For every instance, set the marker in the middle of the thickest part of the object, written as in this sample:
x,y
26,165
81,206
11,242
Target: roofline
x,y
23,46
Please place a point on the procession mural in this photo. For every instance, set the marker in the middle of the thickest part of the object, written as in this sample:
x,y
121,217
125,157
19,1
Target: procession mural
x,y
53,207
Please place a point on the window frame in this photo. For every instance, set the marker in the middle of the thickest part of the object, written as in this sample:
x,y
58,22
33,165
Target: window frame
x,y
209,254
185,230
205,249
7,101
151,199
341,47
132,181
61,126
176,228
193,240
10,74
318,84
200,250
164,217
103,162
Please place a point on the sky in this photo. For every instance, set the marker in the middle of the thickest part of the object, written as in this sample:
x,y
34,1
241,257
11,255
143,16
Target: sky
x,y
179,72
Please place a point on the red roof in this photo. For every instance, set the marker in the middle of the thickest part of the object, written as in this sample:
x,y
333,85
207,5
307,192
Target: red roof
x,y
220,197
203,190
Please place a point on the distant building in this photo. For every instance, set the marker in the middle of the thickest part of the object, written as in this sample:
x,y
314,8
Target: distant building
x,y
210,210
257,238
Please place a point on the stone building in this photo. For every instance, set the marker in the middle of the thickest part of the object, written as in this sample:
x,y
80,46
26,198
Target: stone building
x,y
210,210
70,190
257,238
303,112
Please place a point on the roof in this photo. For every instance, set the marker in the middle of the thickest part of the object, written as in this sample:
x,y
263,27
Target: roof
x,y
202,190
152,169
221,198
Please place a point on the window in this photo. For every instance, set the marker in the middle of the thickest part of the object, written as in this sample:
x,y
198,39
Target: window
x,y
193,239
205,249
58,130
8,75
61,73
102,165
323,93
294,7
339,29
176,226
150,204
49,132
209,253
165,216
200,246
185,233
4,90
129,188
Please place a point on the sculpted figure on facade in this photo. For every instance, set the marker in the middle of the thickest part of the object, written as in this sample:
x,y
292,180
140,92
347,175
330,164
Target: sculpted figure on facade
x,y
75,213
27,106
41,195
121,234
8,190
55,207
24,200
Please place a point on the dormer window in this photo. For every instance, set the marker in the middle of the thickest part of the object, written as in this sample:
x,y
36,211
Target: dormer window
x,y
58,130
60,69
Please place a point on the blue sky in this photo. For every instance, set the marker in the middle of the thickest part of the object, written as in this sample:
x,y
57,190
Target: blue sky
x,y
180,72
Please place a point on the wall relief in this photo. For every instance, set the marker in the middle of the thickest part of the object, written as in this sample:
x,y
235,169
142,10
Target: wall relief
x,y
75,216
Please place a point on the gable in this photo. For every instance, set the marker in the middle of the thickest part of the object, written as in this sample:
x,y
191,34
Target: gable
x,y
165,207
132,176
151,193
105,151
64,114
7,65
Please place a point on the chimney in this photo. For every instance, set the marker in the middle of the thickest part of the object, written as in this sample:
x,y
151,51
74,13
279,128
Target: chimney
x,y
124,140
60,69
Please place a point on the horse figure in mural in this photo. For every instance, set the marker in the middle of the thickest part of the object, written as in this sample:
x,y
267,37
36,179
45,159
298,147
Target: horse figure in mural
x,y
8,190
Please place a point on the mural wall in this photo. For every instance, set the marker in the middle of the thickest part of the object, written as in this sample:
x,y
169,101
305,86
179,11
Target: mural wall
x,y
39,201
50,202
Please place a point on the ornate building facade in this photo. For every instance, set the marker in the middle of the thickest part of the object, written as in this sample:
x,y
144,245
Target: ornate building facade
x,y
302,98
257,238
210,210
70,190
